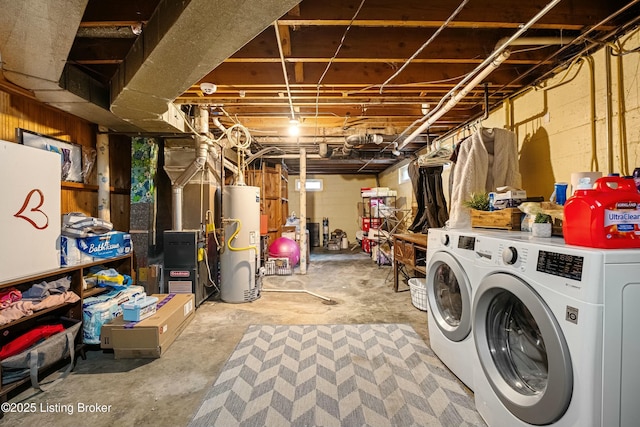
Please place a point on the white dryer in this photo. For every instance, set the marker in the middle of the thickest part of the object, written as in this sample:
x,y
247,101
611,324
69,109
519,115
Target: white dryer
x,y
450,263
556,333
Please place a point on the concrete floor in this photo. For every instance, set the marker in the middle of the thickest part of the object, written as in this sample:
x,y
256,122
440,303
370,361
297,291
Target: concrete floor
x,y
167,391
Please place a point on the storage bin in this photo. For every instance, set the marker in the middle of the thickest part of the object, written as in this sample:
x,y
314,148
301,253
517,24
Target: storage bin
x,y
140,308
418,288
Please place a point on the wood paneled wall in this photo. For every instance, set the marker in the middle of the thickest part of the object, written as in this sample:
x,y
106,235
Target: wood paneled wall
x,y
21,111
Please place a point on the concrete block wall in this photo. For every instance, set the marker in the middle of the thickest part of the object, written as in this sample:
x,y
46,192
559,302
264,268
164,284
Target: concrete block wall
x,y
553,122
553,128
338,201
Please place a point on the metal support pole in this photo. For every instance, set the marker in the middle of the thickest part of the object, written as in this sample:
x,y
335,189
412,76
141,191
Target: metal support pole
x,y
303,211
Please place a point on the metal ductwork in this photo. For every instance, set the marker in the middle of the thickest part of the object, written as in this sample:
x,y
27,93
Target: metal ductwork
x,y
324,150
353,141
156,71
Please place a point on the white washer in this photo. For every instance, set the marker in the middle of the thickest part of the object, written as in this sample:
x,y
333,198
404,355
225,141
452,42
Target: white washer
x,y
556,332
450,263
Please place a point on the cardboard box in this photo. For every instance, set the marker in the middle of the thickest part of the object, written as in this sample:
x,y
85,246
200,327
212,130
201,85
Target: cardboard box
x,y
151,337
511,194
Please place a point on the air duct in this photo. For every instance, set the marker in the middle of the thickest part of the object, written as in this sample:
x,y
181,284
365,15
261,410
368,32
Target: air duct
x,y
324,150
156,70
353,141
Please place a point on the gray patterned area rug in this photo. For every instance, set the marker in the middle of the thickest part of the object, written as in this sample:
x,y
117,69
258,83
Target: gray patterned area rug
x,y
335,375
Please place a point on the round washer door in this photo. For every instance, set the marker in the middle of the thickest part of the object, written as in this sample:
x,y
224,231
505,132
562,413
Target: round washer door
x,y
449,296
522,349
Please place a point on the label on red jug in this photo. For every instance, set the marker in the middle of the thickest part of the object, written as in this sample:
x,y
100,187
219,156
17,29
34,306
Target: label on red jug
x,y
622,220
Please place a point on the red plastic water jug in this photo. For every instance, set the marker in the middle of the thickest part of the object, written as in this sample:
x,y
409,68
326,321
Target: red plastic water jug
x,y
607,216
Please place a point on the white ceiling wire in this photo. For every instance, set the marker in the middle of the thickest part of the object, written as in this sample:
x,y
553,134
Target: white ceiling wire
x,y
335,55
427,43
284,70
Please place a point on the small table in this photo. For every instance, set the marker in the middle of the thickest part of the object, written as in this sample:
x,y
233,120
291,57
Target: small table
x,y
409,250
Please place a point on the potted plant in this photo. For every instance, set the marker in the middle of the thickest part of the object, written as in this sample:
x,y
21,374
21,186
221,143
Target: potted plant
x,y
478,201
541,226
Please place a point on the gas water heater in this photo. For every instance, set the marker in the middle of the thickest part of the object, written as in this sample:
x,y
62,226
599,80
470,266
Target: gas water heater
x,y
240,256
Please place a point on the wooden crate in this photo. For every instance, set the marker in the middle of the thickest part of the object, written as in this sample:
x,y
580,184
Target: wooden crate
x,y
503,219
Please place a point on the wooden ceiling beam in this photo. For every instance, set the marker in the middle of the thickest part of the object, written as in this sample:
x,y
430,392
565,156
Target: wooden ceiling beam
x,y
238,74
94,24
390,42
502,12
339,89
386,23
364,60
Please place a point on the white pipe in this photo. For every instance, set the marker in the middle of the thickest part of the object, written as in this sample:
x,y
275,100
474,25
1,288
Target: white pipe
x,y
533,41
284,69
291,156
456,98
303,211
609,108
298,291
176,199
219,125
202,120
104,176
481,68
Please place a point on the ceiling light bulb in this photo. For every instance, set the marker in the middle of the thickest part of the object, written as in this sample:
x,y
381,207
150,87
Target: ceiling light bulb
x,y
294,130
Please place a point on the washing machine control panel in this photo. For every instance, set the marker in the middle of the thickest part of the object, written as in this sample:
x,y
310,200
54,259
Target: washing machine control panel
x,y
560,264
510,255
515,256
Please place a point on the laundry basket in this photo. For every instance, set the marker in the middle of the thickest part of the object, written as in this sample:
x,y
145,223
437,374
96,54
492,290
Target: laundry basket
x,y
418,288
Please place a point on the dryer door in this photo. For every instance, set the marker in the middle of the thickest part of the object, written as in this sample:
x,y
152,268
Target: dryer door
x,y
449,296
522,349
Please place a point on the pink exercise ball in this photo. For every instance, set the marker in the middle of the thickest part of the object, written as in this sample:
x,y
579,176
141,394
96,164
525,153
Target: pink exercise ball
x,y
283,247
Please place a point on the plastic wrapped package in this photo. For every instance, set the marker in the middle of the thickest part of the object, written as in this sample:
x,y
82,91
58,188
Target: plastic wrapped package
x,y
101,309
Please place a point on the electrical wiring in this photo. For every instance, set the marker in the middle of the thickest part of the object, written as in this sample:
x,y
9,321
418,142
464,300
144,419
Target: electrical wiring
x,y
335,55
427,43
206,261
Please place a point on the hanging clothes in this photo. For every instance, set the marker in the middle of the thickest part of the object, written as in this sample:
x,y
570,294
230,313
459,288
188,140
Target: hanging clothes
x,y
486,160
429,193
